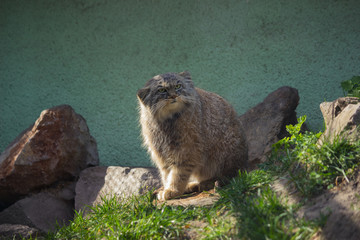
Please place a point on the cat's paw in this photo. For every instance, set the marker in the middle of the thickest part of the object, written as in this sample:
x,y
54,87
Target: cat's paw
x,y
193,187
199,187
167,194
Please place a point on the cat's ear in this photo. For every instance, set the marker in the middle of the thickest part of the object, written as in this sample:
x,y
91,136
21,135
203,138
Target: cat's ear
x,y
142,93
185,75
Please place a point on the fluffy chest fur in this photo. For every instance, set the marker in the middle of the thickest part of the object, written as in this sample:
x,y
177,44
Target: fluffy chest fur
x,y
171,138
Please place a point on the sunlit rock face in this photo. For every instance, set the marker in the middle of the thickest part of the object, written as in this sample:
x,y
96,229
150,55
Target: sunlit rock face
x,y
57,147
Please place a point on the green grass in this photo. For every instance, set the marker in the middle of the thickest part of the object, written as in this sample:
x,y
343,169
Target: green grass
x,y
248,208
260,213
310,166
140,217
135,218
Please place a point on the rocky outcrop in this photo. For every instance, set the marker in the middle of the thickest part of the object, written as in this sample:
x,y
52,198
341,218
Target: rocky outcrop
x,y
57,147
98,182
265,124
342,118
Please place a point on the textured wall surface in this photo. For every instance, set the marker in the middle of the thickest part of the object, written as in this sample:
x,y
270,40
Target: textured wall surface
x,y
95,54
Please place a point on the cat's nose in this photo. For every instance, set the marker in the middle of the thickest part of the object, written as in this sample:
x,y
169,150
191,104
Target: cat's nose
x,y
173,96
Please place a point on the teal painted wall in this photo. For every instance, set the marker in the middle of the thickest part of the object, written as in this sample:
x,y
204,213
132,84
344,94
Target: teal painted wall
x,y
94,55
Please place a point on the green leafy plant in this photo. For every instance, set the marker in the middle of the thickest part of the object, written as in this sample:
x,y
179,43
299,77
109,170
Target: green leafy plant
x,y
351,87
313,167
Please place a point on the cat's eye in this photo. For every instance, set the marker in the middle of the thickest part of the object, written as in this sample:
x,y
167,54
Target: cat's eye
x,y
177,86
161,90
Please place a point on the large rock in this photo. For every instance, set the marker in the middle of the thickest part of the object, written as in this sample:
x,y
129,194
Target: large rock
x,y
98,182
342,118
41,211
57,147
265,123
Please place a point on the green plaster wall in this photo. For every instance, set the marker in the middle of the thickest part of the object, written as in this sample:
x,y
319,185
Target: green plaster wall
x,y
94,55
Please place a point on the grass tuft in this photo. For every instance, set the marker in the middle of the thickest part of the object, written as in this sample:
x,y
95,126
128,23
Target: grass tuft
x,y
135,218
313,167
260,213
142,218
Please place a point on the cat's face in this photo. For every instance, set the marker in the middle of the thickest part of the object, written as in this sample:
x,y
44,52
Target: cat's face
x,y
167,94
